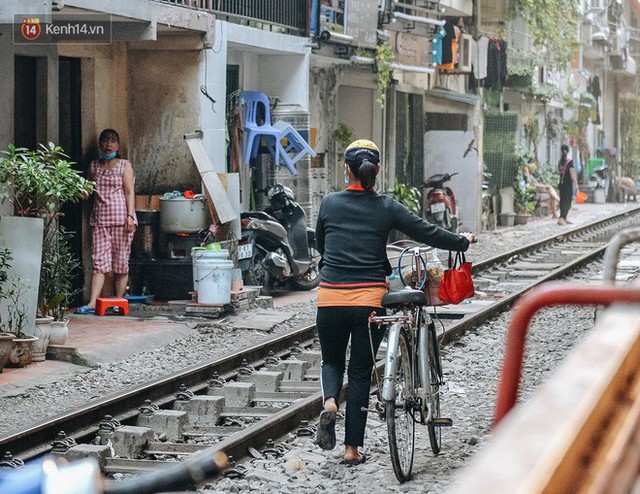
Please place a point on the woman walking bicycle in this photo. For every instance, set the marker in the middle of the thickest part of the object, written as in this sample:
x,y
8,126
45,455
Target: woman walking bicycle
x,y
351,234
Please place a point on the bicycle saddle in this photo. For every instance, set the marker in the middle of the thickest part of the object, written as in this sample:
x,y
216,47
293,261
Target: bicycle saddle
x,y
403,297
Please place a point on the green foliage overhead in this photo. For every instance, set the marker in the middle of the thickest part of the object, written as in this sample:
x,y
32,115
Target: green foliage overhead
x,y
384,59
630,130
553,25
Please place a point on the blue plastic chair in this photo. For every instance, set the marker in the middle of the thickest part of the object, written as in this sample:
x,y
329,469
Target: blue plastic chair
x,y
293,143
256,105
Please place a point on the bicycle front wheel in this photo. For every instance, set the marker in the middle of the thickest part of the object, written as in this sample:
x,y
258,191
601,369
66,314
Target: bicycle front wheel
x,y
435,378
399,412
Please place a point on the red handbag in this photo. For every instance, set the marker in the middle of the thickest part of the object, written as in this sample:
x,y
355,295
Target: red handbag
x,y
456,284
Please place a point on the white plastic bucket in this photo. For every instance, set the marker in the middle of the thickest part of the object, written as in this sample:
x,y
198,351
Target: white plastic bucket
x,y
214,278
203,255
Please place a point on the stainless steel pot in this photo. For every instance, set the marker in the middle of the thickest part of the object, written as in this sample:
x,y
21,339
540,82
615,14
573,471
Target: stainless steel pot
x,y
182,215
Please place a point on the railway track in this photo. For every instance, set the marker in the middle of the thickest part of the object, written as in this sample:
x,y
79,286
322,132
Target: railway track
x,y
278,381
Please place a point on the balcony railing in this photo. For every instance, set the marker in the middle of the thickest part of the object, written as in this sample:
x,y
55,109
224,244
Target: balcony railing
x,y
281,15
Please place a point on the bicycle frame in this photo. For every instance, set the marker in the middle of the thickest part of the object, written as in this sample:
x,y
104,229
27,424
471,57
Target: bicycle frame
x,y
419,347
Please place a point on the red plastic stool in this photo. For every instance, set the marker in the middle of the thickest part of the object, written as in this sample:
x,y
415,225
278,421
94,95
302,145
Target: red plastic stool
x,y
102,304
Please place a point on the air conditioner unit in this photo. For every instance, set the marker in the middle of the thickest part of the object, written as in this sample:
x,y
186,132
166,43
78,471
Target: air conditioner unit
x,y
464,53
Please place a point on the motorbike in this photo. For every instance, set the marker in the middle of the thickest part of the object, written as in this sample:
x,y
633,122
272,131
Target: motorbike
x,y
282,246
599,181
441,208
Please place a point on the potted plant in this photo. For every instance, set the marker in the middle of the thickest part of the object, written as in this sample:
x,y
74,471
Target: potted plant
x,y
58,267
16,348
6,338
17,307
523,204
37,183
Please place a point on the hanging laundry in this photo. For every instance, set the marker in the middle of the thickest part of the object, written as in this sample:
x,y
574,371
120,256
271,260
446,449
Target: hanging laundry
x,y
496,64
436,45
480,67
449,46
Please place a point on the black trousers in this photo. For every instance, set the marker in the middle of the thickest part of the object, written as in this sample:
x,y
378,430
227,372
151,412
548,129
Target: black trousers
x,y
336,326
566,197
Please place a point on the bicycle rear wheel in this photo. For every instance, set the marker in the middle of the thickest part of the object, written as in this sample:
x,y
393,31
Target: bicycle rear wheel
x,y
435,378
400,421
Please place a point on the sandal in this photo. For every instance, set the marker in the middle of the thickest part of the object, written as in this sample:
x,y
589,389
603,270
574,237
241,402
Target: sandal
x,y
357,461
326,433
85,309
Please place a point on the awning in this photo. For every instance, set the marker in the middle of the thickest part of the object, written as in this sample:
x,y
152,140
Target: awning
x,y
469,99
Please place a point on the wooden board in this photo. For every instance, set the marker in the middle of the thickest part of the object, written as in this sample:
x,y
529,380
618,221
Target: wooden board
x,y
214,188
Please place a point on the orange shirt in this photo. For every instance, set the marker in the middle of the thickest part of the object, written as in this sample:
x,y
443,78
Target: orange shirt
x,y
357,297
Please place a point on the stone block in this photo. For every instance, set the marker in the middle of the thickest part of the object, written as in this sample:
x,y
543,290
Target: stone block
x,y
203,410
293,370
170,422
238,394
100,453
130,441
313,357
265,381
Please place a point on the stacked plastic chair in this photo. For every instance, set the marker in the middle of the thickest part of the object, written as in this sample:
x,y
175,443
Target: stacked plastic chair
x,y
281,137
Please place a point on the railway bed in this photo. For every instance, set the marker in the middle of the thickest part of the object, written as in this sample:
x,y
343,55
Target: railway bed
x,y
551,260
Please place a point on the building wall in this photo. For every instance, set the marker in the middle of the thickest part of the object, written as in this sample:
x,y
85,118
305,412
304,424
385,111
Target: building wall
x,y
163,106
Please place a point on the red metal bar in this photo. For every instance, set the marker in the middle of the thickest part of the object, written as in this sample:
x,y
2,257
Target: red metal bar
x,y
546,295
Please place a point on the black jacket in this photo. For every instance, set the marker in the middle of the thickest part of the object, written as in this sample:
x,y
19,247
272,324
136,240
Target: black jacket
x,y
352,231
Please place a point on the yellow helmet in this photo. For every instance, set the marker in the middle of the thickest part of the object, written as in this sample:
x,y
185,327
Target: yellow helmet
x,y
362,149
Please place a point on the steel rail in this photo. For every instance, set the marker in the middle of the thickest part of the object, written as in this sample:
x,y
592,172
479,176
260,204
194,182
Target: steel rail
x,y
36,440
501,258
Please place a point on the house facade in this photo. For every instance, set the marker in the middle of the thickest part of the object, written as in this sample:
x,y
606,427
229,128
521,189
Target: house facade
x,y
334,69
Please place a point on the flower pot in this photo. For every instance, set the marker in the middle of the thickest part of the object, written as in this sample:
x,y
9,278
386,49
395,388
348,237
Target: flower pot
x,y
59,332
6,346
22,353
507,219
43,333
521,219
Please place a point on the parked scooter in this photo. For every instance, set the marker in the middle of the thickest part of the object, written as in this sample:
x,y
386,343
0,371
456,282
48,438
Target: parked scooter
x,y
599,180
283,246
441,208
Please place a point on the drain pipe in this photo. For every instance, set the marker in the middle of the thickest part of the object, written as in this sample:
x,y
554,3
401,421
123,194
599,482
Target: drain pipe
x,y
546,295
612,253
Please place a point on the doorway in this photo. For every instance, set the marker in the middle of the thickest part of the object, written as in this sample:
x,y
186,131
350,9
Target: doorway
x,y
70,139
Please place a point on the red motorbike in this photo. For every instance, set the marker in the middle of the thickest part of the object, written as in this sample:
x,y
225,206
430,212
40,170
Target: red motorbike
x,y
440,207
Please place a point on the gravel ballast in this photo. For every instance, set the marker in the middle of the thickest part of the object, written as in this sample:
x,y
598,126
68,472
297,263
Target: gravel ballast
x,y
471,368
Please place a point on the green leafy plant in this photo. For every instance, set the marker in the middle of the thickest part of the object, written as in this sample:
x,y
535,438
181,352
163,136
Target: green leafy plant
x,y
523,198
409,197
552,25
38,182
630,130
59,264
343,135
11,291
384,59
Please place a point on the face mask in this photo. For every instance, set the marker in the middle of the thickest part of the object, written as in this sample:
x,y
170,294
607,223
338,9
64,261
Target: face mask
x,y
346,179
107,156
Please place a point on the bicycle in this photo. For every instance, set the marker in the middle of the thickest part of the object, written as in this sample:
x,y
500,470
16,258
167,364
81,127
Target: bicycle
x,y
410,390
